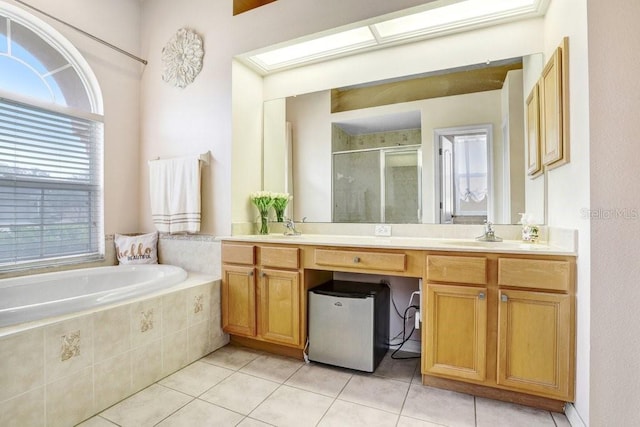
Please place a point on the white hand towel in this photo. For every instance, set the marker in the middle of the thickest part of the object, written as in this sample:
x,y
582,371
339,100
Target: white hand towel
x,y
175,194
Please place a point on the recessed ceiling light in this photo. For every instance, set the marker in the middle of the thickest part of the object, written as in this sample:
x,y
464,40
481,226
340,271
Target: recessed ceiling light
x,y
457,15
316,48
435,18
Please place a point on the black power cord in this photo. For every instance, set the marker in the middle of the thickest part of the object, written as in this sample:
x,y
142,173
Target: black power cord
x,y
405,337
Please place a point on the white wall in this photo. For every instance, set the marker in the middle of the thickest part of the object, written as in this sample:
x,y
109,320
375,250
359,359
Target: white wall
x,y
568,185
614,103
119,79
199,117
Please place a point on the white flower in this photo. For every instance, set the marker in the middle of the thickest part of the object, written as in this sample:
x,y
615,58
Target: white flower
x,y
182,58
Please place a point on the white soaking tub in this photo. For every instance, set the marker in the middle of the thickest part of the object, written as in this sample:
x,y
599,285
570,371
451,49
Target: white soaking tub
x,y
28,298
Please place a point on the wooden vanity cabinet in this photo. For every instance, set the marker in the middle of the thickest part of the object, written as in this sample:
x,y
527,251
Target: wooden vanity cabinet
x,y
238,291
501,321
536,327
499,325
261,293
456,317
279,295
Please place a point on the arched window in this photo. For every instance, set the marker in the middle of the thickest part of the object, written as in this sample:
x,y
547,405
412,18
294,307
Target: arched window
x,y
51,139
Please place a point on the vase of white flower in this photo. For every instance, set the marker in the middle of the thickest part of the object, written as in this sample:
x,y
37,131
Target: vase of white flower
x,y
263,200
280,202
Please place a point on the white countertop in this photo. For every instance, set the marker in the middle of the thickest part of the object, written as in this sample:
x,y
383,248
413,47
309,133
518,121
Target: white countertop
x,y
425,243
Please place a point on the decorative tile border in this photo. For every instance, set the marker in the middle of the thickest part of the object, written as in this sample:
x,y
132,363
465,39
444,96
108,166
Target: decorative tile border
x,y
146,320
198,303
70,345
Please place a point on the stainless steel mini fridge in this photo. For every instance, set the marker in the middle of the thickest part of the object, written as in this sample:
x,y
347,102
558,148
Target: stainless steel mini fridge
x,y
349,324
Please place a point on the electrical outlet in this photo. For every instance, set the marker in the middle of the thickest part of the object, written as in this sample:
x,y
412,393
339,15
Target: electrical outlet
x,y
382,230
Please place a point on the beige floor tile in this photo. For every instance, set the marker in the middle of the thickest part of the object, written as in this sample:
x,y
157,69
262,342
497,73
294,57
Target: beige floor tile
x,y
273,368
439,406
97,421
289,406
492,413
202,414
196,378
240,392
147,407
231,357
353,415
320,379
375,392
413,422
417,375
397,369
250,422
560,419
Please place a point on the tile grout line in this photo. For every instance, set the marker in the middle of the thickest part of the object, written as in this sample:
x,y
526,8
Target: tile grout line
x,y
335,399
270,394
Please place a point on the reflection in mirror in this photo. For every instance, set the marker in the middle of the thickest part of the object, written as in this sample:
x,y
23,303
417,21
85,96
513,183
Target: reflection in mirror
x,y
464,171
321,185
377,169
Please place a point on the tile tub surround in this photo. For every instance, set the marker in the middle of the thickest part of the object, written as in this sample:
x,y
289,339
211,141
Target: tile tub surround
x,y
193,252
60,371
235,386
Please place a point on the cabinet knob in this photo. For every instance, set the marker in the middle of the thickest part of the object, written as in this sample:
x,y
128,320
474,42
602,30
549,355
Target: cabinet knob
x,y
504,298
356,259
481,295
262,274
251,273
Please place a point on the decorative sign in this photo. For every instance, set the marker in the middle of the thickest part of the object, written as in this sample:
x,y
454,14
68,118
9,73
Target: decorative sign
x,y
182,58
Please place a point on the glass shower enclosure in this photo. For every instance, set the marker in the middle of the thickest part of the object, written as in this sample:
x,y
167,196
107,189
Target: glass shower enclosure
x,y
379,185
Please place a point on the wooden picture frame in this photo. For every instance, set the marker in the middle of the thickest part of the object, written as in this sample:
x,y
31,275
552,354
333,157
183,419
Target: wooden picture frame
x,y
554,109
534,164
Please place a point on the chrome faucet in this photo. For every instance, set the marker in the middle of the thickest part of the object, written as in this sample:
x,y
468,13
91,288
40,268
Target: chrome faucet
x,y
489,234
291,227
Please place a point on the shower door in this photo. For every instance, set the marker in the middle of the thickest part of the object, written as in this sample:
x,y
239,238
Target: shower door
x,y
377,185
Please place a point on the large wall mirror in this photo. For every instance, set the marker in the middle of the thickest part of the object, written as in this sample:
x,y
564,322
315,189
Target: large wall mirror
x,y
440,147
395,110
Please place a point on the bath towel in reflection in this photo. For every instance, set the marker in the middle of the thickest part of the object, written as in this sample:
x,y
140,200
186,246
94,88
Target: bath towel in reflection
x,y
175,194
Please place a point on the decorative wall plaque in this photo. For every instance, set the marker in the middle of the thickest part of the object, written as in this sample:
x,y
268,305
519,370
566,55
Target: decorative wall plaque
x,y
182,58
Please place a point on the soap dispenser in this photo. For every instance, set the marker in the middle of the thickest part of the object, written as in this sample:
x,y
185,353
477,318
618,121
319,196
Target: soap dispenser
x,y
530,230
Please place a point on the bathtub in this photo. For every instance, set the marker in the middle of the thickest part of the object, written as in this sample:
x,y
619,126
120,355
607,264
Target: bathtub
x,y
123,328
39,296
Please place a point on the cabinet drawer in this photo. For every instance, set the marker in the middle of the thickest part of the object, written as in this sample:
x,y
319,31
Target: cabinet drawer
x,y
457,269
534,273
272,256
362,259
238,254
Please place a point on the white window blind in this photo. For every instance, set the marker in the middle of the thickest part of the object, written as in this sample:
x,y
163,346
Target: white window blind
x,y
50,186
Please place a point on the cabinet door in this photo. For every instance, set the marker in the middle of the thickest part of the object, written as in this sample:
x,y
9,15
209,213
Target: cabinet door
x,y
239,301
280,306
534,341
456,332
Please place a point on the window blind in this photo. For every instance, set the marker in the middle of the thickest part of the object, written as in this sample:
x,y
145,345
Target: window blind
x,y
50,186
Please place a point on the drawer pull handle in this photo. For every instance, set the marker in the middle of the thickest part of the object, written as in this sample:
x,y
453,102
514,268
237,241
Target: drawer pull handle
x,y
356,259
504,298
481,295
